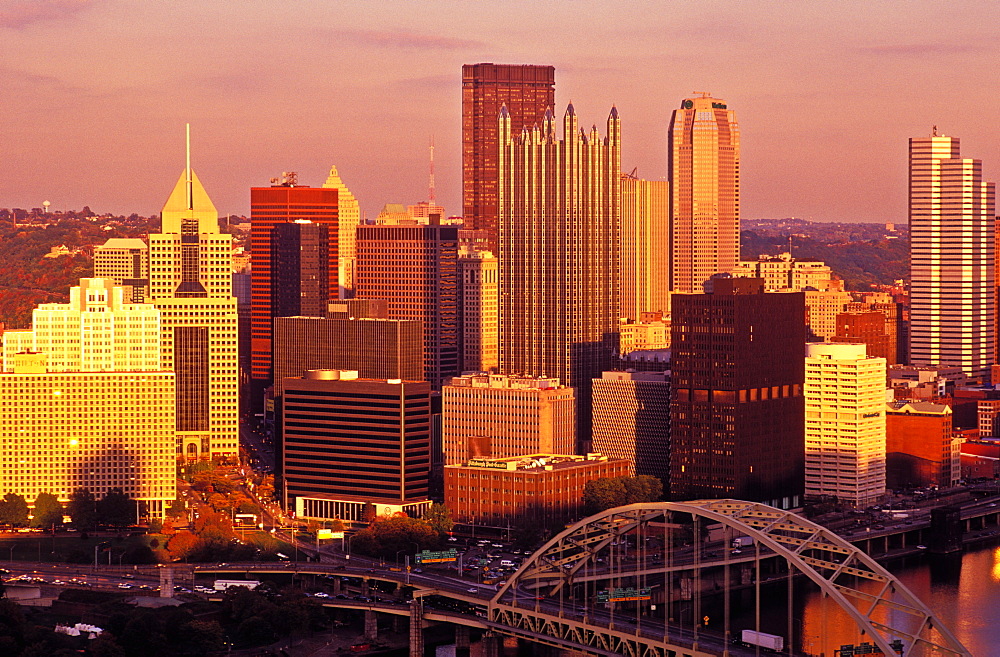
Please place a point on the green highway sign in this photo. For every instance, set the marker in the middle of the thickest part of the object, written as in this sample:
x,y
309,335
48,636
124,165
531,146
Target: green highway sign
x,y
623,595
436,557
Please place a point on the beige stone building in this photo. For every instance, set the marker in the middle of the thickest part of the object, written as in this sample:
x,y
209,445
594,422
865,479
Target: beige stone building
x,y
126,262
500,416
645,246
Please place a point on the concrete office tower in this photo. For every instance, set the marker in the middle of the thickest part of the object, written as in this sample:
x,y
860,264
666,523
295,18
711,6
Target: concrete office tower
x,y
350,441
269,206
559,205
527,92
632,420
348,220
126,262
60,431
645,246
952,248
845,424
95,332
498,416
376,348
736,412
415,269
190,283
783,273
703,166
479,273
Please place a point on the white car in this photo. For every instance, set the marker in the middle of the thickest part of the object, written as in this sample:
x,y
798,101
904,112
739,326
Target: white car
x,y
473,590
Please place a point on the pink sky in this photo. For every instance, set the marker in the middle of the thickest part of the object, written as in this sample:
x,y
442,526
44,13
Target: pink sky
x,y
96,92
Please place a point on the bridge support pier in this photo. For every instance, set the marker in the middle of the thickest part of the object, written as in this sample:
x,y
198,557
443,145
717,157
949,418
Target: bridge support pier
x,y
364,586
398,624
371,625
417,629
462,642
491,644
336,586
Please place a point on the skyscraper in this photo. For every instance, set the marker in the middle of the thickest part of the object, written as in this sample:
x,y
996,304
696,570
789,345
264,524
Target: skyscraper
x,y
527,91
559,205
190,283
736,412
279,204
415,269
126,262
632,420
703,166
300,271
645,246
348,220
952,243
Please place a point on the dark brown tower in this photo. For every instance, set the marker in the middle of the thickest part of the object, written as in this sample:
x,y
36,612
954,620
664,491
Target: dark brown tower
x,y
737,410
527,91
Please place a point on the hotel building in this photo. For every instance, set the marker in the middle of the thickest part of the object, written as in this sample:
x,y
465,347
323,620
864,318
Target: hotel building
x,y
845,424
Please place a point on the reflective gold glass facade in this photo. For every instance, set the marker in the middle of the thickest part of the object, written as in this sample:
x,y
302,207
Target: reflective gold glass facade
x,y
703,165
559,213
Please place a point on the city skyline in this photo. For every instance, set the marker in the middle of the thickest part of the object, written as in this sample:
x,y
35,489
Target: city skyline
x,y
823,116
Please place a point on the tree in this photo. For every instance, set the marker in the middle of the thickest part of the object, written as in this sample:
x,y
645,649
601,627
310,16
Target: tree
x,y
438,516
609,492
603,493
181,545
116,509
83,508
387,536
177,509
48,511
369,512
13,510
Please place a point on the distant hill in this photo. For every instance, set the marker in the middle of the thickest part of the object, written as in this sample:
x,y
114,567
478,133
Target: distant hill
x,y
27,278
862,254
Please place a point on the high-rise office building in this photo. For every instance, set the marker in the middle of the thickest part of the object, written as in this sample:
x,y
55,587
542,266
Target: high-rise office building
x,y
822,307
61,431
300,270
895,326
703,166
845,424
499,416
952,248
632,420
350,441
348,220
374,347
126,262
527,92
269,206
95,332
559,206
415,269
645,246
479,276
921,448
736,412
190,283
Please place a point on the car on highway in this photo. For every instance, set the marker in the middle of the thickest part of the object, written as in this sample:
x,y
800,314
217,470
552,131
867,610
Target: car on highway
x,y
473,590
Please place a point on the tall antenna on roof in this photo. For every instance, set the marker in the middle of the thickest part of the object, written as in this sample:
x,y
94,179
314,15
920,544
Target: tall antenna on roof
x,y
431,196
187,175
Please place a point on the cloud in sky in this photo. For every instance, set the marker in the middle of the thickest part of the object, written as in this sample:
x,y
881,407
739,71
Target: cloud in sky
x,y
18,14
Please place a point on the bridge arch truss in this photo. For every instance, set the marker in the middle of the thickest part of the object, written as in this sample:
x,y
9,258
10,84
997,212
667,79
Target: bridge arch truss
x,y
629,552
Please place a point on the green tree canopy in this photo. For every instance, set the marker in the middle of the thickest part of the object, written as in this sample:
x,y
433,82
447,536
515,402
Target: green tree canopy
x,y
83,508
387,536
609,492
13,510
48,511
116,509
438,516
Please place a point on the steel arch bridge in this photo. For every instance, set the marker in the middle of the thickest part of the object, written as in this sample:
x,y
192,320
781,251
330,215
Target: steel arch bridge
x,y
657,553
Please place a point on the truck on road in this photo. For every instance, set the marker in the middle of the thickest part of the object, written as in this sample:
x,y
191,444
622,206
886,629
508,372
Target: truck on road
x,y
764,640
225,584
742,542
